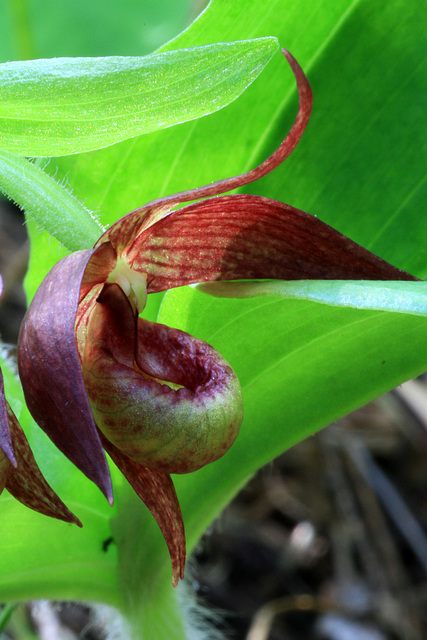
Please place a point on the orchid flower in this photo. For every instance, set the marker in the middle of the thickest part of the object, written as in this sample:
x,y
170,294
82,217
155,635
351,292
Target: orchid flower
x,y
97,376
19,472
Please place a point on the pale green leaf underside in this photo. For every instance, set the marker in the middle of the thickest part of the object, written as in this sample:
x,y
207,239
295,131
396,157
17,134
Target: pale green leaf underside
x,y
72,105
400,297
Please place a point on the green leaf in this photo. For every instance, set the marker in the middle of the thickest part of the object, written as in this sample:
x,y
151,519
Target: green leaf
x,y
47,203
401,297
357,166
71,105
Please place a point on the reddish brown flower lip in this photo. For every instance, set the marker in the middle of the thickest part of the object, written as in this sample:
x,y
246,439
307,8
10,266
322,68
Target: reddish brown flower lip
x,y
177,426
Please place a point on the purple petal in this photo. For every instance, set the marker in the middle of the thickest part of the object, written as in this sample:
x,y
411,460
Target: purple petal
x,y
4,470
49,365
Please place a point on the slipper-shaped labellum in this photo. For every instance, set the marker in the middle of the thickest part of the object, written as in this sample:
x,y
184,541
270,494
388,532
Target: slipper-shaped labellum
x,y
19,473
98,376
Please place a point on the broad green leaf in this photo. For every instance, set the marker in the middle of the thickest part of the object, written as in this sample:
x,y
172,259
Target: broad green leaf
x,y
401,297
47,203
70,105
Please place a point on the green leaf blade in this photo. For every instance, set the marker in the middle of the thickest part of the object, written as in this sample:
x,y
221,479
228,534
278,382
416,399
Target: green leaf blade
x,y
72,105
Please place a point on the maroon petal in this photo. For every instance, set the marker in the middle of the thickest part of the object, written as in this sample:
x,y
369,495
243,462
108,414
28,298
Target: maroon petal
x,y
124,233
50,370
156,490
249,237
26,483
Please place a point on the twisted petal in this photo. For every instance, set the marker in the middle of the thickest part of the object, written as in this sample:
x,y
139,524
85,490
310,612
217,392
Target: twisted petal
x,y
49,363
156,490
249,237
125,233
26,483
176,427
19,472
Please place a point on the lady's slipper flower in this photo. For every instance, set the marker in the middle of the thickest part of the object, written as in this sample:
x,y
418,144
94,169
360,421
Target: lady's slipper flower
x,y
19,472
97,376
